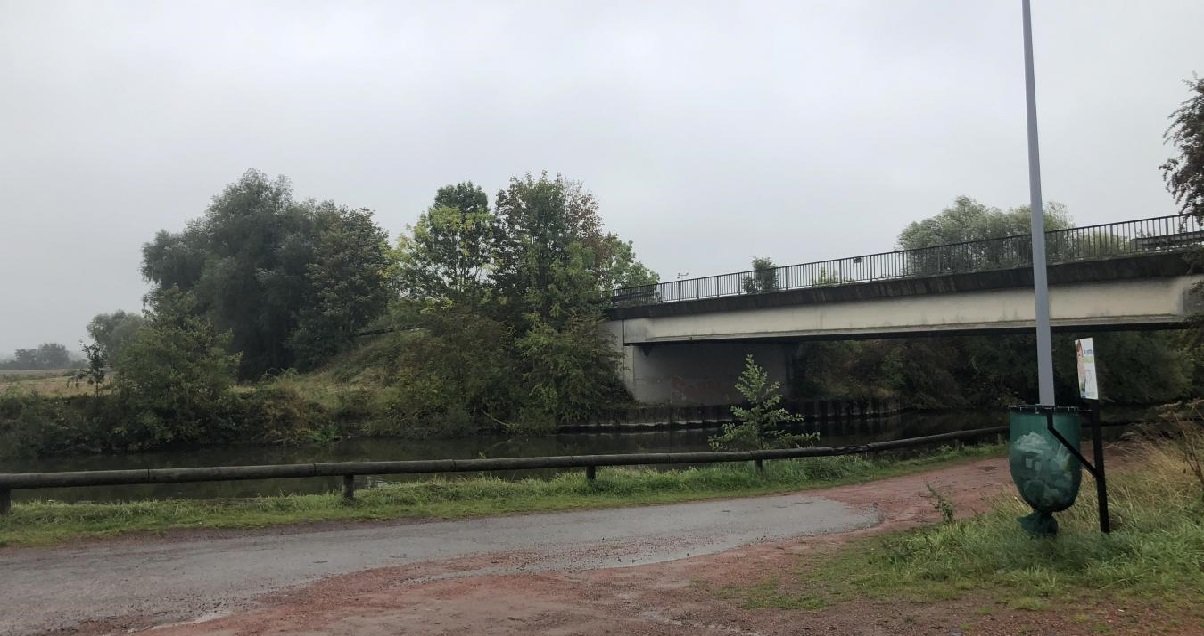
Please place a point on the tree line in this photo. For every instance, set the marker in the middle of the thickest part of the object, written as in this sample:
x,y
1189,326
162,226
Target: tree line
x,y
481,315
46,356
485,313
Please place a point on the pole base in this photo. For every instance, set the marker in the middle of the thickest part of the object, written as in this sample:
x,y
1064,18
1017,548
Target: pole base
x,y
1039,524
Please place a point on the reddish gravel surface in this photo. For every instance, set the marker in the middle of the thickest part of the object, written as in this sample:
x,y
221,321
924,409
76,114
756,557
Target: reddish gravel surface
x,y
676,597
468,596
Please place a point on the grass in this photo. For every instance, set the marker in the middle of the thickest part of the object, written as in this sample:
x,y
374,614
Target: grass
x,y
1154,555
49,522
44,383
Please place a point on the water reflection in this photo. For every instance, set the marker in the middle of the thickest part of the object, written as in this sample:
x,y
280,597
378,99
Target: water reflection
x,y
611,441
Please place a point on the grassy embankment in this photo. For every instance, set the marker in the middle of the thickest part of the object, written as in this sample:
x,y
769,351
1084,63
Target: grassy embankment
x,y
47,522
1154,557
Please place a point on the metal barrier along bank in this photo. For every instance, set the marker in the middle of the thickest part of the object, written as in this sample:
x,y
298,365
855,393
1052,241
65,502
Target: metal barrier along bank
x,y
349,470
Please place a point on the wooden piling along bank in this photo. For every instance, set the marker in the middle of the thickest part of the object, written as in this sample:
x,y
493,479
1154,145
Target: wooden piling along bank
x,y
349,470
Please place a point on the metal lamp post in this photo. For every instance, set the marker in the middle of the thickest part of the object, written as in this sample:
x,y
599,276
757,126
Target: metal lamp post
x,y
1043,451
1037,208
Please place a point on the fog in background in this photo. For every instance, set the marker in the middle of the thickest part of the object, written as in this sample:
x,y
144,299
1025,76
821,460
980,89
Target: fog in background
x,y
710,132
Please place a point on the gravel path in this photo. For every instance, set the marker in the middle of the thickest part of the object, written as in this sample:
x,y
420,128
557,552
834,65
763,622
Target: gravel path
x,y
161,581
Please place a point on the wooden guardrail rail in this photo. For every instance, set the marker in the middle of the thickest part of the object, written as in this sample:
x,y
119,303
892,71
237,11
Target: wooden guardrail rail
x,y
348,470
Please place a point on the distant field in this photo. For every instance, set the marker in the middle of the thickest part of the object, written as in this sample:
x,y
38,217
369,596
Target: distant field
x,y
8,374
51,382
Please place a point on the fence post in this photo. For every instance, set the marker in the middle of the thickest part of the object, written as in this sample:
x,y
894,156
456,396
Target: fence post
x,y
760,464
6,501
348,487
591,473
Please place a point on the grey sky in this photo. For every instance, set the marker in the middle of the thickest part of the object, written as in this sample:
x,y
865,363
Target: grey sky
x,y
710,132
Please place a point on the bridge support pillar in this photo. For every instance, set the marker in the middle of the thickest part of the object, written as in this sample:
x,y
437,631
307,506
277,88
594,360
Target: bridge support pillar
x,y
699,373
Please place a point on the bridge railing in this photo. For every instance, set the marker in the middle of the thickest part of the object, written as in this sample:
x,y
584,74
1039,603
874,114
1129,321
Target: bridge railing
x,y
349,470
1090,242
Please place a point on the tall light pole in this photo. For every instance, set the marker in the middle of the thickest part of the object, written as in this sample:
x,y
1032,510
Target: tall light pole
x,y
1037,207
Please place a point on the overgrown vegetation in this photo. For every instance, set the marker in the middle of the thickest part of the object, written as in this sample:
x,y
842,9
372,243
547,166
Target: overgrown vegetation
x,y
481,318
1155,551
764,277
45,522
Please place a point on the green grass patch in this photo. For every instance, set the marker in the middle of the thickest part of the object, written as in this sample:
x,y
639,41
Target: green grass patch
x,y
48,522
1154,555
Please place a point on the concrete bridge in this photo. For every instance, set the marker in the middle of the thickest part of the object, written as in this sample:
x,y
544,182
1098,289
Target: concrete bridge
x,y
684,342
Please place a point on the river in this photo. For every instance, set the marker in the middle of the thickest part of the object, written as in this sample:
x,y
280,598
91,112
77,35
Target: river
x,y
492,445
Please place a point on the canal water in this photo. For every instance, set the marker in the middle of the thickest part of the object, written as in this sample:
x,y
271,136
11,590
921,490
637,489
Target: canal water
x,y
585,443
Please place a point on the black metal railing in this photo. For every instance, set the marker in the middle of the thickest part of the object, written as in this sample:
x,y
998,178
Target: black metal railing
x,y
1091,242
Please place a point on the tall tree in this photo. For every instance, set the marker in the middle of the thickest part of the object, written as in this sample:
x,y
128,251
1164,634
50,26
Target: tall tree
x,y
113,332
257,261
447,253
553,258
351,277
968,220
1184,175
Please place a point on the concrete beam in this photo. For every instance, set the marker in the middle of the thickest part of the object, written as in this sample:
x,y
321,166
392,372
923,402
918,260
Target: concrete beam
x,y
1120,304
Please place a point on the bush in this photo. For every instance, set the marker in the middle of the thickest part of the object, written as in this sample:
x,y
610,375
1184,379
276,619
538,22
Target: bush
x,y
176,378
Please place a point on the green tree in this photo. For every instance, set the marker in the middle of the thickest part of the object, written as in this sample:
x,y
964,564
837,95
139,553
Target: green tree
x,y
1184,175
256,263
46,356
568,371
968,220
96,370
618,266
530,276
448,251
764,277
449,364
552,258
351,277
112,332
176,376
762,423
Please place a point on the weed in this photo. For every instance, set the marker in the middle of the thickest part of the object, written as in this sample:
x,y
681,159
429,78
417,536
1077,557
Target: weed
x,y
1187,428
1157,553
941,503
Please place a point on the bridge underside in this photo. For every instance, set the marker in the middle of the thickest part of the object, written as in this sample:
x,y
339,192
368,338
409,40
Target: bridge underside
x,y
692,352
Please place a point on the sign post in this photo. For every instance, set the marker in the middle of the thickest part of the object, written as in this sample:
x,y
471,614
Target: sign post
x,y
1084,353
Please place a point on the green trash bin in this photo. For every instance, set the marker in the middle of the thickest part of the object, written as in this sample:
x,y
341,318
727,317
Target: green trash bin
x,y
1046,473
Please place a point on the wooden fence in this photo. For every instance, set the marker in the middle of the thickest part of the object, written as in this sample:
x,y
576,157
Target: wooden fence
x,y
349,470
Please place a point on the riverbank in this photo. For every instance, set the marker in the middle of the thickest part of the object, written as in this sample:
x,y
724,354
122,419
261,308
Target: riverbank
x,y
49,522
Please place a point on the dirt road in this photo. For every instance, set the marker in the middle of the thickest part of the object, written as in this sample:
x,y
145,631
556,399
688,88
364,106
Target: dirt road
x,y
668,570
120,584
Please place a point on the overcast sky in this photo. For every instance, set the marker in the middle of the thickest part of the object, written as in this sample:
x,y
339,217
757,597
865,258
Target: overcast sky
x,y
711,132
